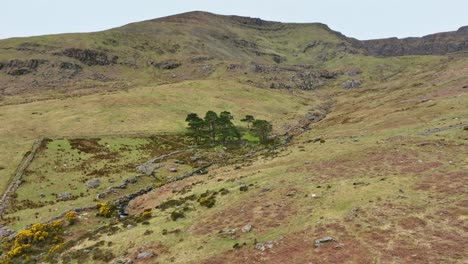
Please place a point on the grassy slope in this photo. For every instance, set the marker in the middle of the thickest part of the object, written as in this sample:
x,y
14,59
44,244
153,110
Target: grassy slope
x,y
384,181
395,196
146,109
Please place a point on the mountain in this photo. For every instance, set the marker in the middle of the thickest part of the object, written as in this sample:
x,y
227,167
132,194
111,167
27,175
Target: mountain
x,y
435,44
193,45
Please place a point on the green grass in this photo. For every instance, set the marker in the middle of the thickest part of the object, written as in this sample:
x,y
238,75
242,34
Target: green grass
x,y
139,110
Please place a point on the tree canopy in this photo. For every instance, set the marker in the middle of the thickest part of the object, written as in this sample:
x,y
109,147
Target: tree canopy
x,y
215,128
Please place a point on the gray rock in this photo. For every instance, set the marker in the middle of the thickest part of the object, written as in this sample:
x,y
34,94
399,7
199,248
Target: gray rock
x,y
173,169
260,246
322,240
264,246
122,261
351,84
353,72
145,255
147,168
130,180
64,196
93,183
227,233
247,228
5,232
194,158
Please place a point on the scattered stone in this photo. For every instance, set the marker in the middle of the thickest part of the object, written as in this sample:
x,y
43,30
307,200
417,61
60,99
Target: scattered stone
x,y
5,232
172,169
100,196
130,180
291,193
247,228
93,183
121,186
264,246
351,84
320,241
147,168
179,162
353,72
227,233
145,255
122,261
194,158
64,196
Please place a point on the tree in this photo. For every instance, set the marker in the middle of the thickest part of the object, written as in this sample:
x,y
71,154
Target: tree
x,y
226,128
195,126
211,122
248,119
262,129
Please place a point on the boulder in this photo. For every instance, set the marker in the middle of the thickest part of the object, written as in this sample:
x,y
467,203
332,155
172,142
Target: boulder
x,y
5,232
322,240
351,84
147,168
144,255
64,196
93,183
227,233
264,246
247,228
122,261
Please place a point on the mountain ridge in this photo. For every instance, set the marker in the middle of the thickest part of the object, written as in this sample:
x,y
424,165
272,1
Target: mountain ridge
x,y
192,45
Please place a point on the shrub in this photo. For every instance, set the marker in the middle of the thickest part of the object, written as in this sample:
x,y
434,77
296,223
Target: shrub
x,y
207,201
106,209
71,217
38,236
147,213
176,215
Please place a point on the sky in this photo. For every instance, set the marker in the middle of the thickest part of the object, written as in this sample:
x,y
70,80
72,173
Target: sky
x,y
362,19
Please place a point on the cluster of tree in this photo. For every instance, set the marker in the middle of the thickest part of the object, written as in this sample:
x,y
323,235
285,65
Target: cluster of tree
x,y
219,128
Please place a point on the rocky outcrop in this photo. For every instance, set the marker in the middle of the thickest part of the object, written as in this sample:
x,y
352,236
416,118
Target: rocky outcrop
x,y
21,67
90,57
435,44
70,66
167,64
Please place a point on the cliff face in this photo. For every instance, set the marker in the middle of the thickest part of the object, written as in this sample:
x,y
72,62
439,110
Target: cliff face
x,y
435,44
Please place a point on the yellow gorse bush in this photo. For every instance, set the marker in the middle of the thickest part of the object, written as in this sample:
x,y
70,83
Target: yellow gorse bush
x,y
38,235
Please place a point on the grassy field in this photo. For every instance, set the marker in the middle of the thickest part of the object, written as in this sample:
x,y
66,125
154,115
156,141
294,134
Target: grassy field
x,y
147,109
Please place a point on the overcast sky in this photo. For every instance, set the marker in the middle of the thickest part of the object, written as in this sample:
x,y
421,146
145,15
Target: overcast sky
x,y
362,19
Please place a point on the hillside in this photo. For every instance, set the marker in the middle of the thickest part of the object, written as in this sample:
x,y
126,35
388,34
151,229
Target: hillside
x,y
368,162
